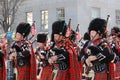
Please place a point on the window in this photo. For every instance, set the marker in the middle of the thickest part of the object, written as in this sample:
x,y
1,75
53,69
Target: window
x,y
44,19
95,13
29,17
61,13
118,17
9,19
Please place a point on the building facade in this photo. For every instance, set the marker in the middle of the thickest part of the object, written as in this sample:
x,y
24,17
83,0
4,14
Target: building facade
x,y
45,12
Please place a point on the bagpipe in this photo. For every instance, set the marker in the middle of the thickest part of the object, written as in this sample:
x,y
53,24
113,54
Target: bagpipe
x,y
42,60
61,62
57,52
23,53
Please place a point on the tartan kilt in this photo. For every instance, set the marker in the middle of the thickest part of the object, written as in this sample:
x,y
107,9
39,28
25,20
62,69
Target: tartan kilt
x,y
74,71
24,73
114,69
62,75
1,74
46,73
101,76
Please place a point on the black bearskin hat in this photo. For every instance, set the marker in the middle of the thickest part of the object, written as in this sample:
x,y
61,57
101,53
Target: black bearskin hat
x,y
24,29
59,27
99,25
86,36
42,37
116,29
52,37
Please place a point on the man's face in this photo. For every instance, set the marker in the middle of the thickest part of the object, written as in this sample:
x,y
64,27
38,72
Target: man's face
x,y
94,35
41,45
57,37
18,37
4,40
113,32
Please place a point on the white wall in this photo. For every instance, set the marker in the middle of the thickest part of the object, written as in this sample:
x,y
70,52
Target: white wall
x,y
78,10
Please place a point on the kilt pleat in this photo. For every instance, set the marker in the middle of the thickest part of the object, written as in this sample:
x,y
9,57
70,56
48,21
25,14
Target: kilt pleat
x,y
101,76
24,73
114,69
62,75
74,70
46,73
1,74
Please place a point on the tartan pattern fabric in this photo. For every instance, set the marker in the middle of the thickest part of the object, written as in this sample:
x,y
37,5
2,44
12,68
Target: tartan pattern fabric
x,y
1,74
46,73
114,70
101,76
111,70
4,70
62,75
4,49
4,66
24,73
74,69
33,69
28,72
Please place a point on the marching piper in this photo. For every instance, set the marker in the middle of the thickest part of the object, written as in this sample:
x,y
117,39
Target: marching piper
x,y
96,53
45,72
22,53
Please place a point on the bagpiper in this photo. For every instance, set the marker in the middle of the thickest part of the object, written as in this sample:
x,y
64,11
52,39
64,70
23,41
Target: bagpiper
x,y
21,52
44,68
96,53
62,54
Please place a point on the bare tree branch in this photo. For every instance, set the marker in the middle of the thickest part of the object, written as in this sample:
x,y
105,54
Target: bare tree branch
x,y
8,11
